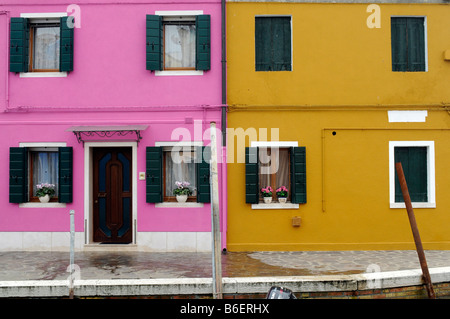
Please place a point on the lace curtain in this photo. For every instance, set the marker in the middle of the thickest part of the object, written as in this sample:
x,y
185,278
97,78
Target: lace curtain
x,y
46,48
274,168
179,46
45,169
179,166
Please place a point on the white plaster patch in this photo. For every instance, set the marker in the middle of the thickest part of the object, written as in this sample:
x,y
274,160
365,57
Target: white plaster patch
x,y
407,116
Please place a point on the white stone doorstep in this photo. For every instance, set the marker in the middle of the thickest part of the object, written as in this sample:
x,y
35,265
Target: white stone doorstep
x,y
235,285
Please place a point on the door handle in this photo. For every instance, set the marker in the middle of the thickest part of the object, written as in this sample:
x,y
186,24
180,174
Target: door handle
x,y
99,195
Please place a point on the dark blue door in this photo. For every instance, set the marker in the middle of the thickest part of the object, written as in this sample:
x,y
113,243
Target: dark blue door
x,y
112,195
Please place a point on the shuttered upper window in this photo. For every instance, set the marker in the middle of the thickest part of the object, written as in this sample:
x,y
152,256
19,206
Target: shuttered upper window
x,y
408,44
41,44
177,42
273,43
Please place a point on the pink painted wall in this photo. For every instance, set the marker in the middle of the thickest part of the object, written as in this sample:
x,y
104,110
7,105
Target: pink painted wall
x,y
109,86
109,62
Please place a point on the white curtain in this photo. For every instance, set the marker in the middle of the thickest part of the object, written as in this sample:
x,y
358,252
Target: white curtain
x,y
46,48
45,169
179,166
274,168
179,46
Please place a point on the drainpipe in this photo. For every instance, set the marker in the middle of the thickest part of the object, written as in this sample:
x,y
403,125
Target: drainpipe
x,y
6,13
224,130
224,75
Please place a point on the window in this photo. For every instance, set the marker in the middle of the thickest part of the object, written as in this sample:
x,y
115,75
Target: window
x,y
43,169
179,166
32,164
167,164
273,43
275,164
274,168
179,44
41,43
408,44
178,41
417,160
44,47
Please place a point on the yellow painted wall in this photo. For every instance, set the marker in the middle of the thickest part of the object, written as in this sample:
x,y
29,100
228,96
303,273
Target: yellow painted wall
x,y
341,82
337,59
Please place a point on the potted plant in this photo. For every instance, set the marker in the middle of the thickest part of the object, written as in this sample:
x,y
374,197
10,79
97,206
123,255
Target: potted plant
x,y
182,191
267,194
44,191
282,193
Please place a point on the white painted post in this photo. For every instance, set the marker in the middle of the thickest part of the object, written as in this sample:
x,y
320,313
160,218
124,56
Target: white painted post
x,y
215,218
72,248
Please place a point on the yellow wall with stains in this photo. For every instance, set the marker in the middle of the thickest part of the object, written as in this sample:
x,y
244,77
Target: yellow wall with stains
x,y
342,82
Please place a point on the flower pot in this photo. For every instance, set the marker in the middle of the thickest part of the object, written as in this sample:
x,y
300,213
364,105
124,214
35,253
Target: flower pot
x,y
181,198
267,200
44,199
282,200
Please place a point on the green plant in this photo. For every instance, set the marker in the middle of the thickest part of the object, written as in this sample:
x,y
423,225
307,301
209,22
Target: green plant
x,y
182,188
45,189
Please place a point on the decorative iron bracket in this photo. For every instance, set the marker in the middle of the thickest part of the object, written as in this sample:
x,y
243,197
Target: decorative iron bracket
x,y
81,132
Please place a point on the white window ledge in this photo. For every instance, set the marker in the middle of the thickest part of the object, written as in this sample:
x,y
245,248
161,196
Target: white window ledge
x,y
178,205
43,74
42,205
414,205
275,206
178,73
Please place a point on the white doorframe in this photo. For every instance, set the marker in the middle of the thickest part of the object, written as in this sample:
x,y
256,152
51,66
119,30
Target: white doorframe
x,y
88,171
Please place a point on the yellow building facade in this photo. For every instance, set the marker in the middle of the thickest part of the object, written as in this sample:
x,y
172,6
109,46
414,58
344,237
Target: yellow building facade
x,y
354,106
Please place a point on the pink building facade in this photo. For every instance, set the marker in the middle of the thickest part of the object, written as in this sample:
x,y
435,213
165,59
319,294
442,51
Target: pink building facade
x,y
112,108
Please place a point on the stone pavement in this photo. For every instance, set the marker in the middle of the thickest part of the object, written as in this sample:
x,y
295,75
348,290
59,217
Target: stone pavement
x,y
147,265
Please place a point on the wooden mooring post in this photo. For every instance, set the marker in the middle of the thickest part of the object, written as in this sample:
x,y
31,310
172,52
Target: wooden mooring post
x,y
415,231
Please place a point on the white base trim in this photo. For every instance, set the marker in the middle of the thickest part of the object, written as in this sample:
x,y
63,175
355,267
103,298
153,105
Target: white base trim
x,y
146,241
39,241
174,241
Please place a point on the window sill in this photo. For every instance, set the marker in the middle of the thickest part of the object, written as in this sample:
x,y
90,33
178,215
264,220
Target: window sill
x,y
178,73
414,205
42,205
275,206
43,74
176,204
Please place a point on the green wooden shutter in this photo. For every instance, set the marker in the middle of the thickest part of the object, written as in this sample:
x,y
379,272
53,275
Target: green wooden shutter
x,y
203,175
203,42
66,44
251,175
273,43
415,168
154,174
416,44
19,43
65,174
298,175
154,36
399,44
18,175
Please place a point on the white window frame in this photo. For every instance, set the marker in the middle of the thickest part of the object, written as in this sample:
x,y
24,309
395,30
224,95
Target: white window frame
x,y
431,187
42,146
279,144
187,13
176,204
39,16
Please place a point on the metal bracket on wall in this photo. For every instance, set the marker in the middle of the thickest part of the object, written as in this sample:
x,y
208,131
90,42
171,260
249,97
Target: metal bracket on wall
x,y
83,132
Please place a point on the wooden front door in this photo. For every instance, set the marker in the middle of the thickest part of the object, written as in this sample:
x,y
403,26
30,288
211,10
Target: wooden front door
x,y
112,198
